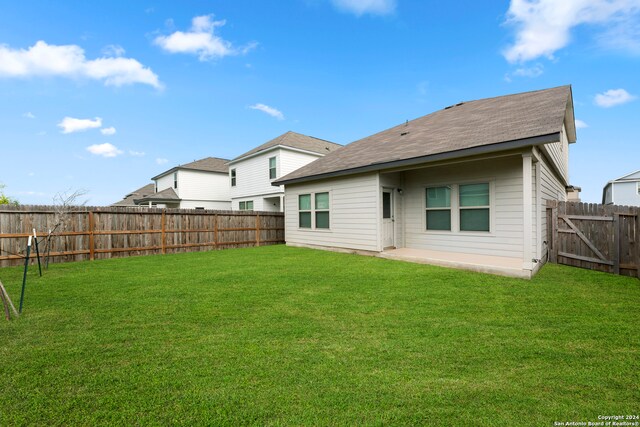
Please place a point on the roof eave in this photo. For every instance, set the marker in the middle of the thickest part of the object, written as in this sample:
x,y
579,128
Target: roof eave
x,y
483,149
177,168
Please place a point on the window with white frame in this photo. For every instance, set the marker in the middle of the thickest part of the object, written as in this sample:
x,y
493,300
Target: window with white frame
x,y
322,210
458,207
474,207
438,206
313,210
175,180
246,205
638,187
272,168
233,177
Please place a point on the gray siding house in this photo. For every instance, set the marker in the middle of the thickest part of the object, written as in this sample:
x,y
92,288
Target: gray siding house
x,y
465,186
623,191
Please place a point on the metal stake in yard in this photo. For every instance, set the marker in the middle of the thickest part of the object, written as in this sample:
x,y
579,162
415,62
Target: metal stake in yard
x,y
48,250
24,276
35,239
6,301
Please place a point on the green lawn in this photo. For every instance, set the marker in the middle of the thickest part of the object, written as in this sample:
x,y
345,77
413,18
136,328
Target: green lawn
x,y
286,336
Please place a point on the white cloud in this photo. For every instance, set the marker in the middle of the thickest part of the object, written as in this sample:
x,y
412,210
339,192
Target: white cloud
x,y
613,97
29,115
104,150
161,161
544,26
108,131
137,153
532,72
69,61
113,50
70,124
580,124
268,110
200,40
360,7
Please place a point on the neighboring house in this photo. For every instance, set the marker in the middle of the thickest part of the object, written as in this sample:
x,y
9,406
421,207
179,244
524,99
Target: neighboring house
x,y
128,200
623,191
467,184
202,184
573,193
251,174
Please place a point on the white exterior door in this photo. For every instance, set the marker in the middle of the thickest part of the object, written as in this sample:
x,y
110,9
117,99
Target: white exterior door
x,y
388,239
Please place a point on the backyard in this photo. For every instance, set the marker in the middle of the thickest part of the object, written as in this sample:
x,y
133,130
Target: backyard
x,y
286,336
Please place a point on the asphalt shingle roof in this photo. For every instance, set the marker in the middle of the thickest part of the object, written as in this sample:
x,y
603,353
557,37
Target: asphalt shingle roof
x,y
459,127
208,164
296,140
166,194
136,194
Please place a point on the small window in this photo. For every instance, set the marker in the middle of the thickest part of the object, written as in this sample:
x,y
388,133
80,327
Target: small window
x,y
638,187
386,205
246,205
199,208
233,177
304,210
438,205
272,168
322,210
175,180
474,207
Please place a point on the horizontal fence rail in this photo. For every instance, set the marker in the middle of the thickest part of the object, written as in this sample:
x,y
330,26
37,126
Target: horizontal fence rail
x,y
594,236
88,233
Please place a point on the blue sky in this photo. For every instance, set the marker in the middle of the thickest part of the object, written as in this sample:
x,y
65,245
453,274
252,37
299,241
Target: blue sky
x,y
103,96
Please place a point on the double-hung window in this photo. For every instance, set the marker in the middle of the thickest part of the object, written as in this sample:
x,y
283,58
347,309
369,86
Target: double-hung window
x,y
233,177
304,210
313,210
175,180
272,168
474,207
438,205
246,205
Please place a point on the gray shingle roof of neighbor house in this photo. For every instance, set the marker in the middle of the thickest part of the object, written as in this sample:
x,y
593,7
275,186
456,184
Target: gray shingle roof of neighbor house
x,y
294,140
208,164
463,129
168,194
136,194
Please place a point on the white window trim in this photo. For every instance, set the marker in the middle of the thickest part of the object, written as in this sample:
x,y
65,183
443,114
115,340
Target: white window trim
x,y
275,167
427,209
455,208
313,211
245,204
233,177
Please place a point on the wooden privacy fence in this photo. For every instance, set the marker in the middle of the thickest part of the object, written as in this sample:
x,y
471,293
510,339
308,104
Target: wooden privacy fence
x,y
107,232
593,236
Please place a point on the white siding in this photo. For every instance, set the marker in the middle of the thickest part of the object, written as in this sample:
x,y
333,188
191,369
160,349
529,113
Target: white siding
x,y
207,204
200,185
551,188
505,238
626,193
293,160
252,176
353,213
164,182
558,153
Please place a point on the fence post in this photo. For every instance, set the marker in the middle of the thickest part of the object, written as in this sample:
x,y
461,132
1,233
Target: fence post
x,y
215,230
91,237
163,234
553,250
257,229
616,243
